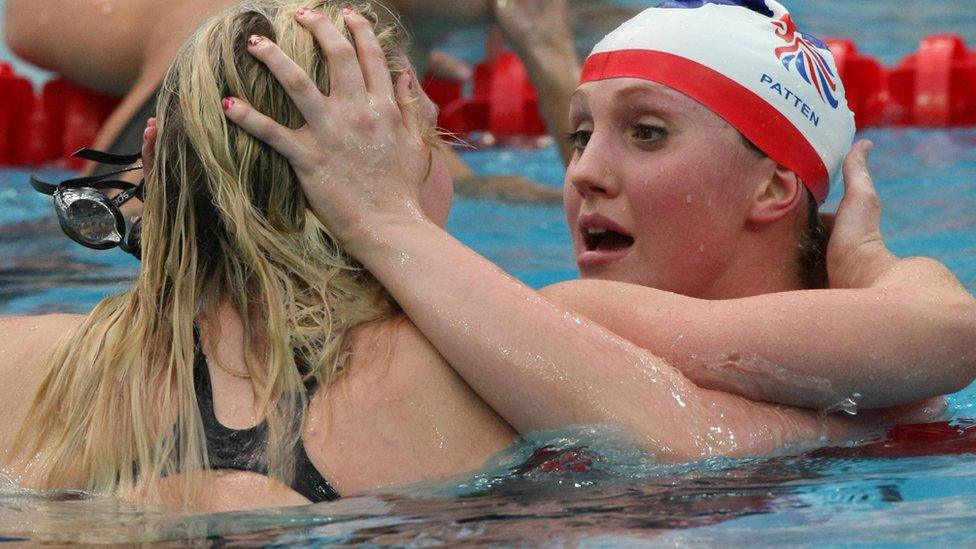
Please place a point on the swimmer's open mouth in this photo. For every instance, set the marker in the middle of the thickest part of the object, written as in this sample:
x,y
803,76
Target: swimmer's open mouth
x,y
601,234
605,240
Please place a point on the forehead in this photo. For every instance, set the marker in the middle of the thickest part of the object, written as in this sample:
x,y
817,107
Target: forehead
x,y
628,96
616,92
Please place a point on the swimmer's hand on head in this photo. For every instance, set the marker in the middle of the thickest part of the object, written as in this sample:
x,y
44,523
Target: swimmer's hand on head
x,y
345,174
856,252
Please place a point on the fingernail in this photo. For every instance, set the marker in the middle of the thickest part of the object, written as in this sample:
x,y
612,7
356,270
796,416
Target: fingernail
x,y
302,11
347,9
227,103
409,79
145,134
135,219
254,40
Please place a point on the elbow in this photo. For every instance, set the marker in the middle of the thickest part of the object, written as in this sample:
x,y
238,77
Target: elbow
x,y
968,330
961,325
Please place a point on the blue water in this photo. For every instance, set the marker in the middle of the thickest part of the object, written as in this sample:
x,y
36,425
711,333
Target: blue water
x,y
927,182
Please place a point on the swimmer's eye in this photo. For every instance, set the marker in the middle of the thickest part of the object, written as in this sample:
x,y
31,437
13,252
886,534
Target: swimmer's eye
x,y
644,132
579,139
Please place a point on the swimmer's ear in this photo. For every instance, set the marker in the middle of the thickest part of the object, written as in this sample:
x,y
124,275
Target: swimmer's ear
x,y
777,196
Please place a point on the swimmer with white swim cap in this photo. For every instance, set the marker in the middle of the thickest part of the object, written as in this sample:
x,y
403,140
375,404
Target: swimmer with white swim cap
x,y
668,204
778,86
698,213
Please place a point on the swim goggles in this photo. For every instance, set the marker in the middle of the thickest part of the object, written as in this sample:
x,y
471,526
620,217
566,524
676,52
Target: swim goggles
x,y
86,214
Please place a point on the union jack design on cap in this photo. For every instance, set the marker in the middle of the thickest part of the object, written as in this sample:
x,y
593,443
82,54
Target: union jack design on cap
x,y
746,61
801,50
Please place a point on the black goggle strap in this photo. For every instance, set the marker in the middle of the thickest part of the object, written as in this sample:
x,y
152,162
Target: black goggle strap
x,y
107,158
43,186
128,189
91,181
79,181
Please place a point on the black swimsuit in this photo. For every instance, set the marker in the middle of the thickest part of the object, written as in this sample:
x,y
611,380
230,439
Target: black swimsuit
x,y
242,449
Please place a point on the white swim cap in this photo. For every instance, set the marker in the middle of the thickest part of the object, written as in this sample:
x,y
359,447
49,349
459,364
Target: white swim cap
x,y
746,61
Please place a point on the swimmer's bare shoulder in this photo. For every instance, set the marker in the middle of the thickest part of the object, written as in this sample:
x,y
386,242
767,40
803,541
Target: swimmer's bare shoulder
x,y
400,413
27,342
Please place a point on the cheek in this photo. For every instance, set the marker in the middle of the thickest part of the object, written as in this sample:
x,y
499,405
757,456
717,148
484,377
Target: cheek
x,y
681,207
571,207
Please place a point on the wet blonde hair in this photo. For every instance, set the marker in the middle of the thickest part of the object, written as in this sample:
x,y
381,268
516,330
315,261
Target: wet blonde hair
x,y
225,221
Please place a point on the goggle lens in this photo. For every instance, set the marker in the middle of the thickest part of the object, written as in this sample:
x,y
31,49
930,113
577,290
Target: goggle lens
x,y
87,213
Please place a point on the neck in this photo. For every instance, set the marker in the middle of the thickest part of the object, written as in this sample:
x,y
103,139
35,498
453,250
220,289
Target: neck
x,y
765,261
222,339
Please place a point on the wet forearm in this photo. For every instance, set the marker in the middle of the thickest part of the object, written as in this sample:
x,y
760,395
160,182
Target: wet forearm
x,y
888,344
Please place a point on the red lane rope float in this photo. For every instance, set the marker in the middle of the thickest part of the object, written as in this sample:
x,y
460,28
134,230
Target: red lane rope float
x,y
913,440
866,83
933,87
503,100
49,126
937,85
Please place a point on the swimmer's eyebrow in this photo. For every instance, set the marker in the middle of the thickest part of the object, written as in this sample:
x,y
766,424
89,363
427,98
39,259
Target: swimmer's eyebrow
x,y
647,90
578,101
639,89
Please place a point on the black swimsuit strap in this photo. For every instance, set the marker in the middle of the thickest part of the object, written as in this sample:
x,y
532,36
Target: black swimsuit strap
x,y
243,449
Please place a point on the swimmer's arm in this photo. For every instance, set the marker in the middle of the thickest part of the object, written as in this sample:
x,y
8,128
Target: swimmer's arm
x,y
508,188
27,342
104,45
909,337
549,56
99,45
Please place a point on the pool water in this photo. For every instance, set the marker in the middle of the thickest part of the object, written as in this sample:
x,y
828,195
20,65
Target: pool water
x,y
918,488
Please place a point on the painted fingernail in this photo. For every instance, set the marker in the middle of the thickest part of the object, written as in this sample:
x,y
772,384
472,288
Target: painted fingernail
x,y
347,9
227,103
409,79
302,11
254,40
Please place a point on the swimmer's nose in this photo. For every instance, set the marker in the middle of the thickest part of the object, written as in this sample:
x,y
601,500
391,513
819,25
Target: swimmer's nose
x,y
592,173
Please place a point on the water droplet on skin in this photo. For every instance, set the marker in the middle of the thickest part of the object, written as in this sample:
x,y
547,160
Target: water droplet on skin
x,y
688,199
701,248
848,405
